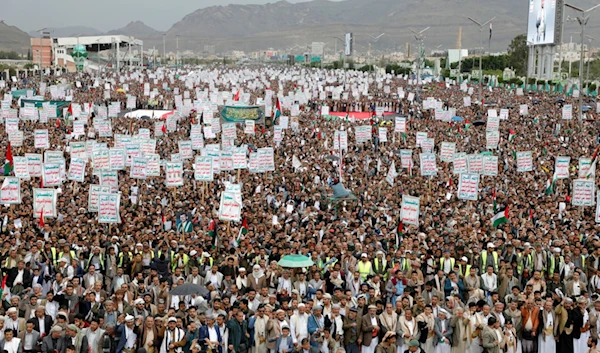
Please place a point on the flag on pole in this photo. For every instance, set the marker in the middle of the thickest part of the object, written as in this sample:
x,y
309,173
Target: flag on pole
x,y
243,231
42,224
164,128
237,95
494,199
490,31
592,169
511,135
550,184
399,233
277,109
8,163
500,218
212,228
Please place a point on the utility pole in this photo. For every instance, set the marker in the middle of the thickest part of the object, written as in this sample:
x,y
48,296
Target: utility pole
x,y
177,46
420,37
164,48
481,26
583,20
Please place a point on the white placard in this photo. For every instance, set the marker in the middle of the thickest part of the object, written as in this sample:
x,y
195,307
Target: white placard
x,y
583,192
468,187
410,209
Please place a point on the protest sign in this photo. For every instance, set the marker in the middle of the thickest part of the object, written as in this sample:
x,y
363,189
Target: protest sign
x,y
400,124
524,162
174,174
117,159
226,161
392,174
447,151
460,164
77,170
41,139
108,208
490,165
492,138
585,164
230,207
153,166
110,178
51,174
583,192
138,168
340,140
44,203
10,192
561,167
420,137
20,167
409,211
362,133
93,193
34,164
493,122
203,169
249,127
428,164
406,159
239,157
475,162
567,112
468,187
266,159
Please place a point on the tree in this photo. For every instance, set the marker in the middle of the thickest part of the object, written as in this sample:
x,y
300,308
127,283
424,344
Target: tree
x,y
517,54
29,54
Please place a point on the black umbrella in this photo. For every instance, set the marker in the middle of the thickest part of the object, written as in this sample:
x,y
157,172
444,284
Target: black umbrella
x,y
189,289
478,122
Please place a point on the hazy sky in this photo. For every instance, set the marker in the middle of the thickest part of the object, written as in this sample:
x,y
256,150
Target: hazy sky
x,y
104,15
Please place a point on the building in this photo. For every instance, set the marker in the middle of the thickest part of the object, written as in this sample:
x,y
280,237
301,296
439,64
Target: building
x,y
114,51
41,50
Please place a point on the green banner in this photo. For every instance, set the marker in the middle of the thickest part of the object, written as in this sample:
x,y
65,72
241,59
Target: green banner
x,y
237,114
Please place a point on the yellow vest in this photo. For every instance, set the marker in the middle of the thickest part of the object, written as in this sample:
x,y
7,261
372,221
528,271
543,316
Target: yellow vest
x,y
364,268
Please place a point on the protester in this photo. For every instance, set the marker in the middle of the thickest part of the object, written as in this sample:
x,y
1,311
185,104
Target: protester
x,y
493,257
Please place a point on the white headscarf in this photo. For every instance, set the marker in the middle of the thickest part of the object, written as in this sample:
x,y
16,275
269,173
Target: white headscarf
x,y
257,272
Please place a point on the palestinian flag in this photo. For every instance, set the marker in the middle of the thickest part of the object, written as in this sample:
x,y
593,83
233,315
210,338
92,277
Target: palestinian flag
x,y
500,218
212,228
237,95
590,171
277,109
467,124
8,163
164,128
399,233
163,220
494,200
511,135
243,231
550,185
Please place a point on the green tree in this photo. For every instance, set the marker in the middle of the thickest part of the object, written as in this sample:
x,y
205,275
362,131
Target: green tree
x,y
517,54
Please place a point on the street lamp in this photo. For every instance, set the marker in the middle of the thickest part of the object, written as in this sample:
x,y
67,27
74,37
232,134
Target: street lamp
x,y
582,19
420,37
590,39
481,25
375,40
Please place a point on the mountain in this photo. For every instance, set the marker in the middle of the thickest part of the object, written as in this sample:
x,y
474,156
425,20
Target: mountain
x,y
285,25
69,31
12,38
137,29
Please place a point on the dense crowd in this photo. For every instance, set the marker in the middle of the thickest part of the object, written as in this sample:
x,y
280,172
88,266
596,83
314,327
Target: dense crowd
x,y
454,283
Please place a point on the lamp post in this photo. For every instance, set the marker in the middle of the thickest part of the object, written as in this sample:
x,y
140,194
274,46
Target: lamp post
x,y
584,16
481,25
40,51
164,58
420,37
587,75
375,40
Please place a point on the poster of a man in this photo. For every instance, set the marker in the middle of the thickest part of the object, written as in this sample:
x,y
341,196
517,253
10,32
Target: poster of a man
x,y
184,223
541,26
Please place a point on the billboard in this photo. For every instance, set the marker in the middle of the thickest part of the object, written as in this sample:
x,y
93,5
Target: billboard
x,y
544,22
349,44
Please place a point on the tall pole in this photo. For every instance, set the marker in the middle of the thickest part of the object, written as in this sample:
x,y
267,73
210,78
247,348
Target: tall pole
x,y
480,60
177,46
583,19
164,48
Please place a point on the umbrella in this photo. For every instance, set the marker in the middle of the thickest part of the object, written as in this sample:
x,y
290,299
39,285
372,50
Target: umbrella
x,y
478,122
457,118
295,261
189,289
